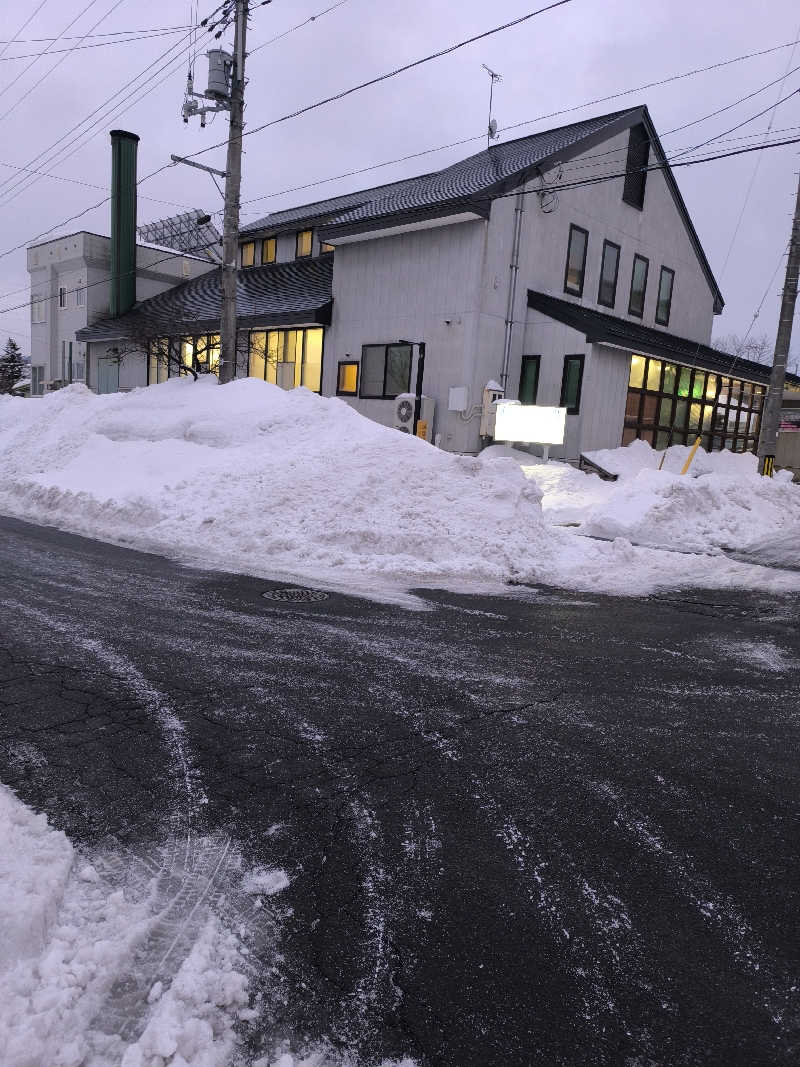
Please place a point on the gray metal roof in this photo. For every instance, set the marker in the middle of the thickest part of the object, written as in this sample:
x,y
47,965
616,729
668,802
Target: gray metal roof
x,y
601,328
470,177
277,294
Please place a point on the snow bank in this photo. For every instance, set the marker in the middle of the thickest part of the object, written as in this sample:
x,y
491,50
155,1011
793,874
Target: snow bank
x,y
69,939
250,475
722,502
251,478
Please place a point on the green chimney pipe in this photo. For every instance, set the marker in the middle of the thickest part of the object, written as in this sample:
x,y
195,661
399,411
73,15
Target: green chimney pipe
x,y
123,221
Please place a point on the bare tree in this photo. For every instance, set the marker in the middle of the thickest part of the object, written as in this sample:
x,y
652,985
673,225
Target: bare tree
x,y
757,347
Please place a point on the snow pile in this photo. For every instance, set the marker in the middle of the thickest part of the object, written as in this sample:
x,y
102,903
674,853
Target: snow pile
x,y
35,863
65,970
251,478
722,502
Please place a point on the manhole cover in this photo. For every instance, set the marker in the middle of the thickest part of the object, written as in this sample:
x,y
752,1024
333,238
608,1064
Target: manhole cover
x,y
294,595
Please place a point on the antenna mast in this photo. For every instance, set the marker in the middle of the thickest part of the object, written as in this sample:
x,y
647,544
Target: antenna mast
x,y
491,132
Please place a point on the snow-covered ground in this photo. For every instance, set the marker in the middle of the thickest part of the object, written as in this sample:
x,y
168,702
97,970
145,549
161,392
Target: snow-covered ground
x,y
721,504
123,960
291,485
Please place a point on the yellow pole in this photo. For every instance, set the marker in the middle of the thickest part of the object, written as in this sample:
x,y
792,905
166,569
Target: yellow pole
x,y
691,456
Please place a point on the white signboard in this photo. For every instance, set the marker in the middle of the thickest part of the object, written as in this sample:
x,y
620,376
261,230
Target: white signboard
x,y
529,423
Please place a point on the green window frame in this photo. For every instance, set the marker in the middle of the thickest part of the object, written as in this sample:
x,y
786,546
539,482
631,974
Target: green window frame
x,y
575,269
529,379
609,274
666,284
572,383
639,272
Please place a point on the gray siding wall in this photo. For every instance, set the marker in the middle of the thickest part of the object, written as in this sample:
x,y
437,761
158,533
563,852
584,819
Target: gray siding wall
x,y
423,285
406,286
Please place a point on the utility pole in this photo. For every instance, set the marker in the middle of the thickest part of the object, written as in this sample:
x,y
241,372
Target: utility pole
x,y
770,419
233,184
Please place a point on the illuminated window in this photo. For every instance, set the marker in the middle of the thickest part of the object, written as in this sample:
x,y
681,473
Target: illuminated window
x,y
609,271
576,260
347,379
664,304
638,286
287,357
636,379
571,384
248,253
268,250
669,404
325,248
303,244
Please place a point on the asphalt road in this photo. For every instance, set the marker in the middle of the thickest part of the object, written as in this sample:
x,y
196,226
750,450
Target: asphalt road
x,y
541,829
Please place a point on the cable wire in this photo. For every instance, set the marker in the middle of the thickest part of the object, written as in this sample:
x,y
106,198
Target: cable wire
x,y
756,167
393,73
27,22
98,44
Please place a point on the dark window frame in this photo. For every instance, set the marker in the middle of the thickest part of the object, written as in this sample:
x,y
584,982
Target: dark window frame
x,y
646,261
297,253
603,303
636,164
579,229
264,244
580,358
537,361
348,363
671,273
384,395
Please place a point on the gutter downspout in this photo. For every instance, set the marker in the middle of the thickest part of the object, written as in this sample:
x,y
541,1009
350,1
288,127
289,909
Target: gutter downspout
x,y
519,209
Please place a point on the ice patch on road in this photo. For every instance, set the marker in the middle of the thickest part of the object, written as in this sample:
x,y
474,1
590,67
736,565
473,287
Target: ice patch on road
x,y
763,655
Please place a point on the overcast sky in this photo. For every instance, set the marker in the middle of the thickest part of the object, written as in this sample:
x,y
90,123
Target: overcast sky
x,y
563,58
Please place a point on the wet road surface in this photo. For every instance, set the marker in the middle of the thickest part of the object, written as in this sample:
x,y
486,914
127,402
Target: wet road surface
x,y
542,829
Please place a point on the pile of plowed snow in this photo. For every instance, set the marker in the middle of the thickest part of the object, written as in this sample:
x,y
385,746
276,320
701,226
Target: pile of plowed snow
x,y
249,477
721,502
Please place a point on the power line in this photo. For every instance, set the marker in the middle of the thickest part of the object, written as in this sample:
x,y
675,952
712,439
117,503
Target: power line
x,y
33,62
83,37
299,26
393,73
739,125
569,185
753,176
11,187
27,21
539,118
82,47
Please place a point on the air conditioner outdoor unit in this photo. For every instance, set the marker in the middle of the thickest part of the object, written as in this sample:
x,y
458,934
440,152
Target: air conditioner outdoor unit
x,y
404,415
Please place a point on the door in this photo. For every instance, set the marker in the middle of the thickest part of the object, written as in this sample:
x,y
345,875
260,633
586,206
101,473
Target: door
x,y
108,375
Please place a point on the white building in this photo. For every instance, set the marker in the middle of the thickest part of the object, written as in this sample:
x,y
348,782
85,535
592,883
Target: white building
x,y
563,265
70,289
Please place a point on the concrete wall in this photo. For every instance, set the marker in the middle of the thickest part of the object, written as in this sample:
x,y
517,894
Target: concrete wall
x,y
423,285
84,260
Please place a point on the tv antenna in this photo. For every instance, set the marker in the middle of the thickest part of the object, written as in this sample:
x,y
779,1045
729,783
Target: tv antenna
x,y
491,133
